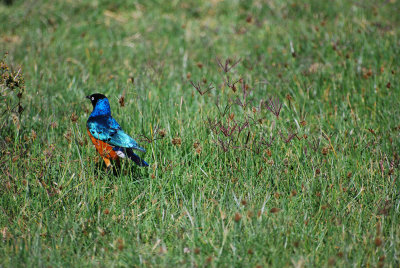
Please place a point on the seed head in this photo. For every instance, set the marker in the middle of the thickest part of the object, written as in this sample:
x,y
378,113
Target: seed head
x,y
196,144
198,150
177,141
249,19
378,241
238,217
274,210
122,101
162,133
74,117
120,244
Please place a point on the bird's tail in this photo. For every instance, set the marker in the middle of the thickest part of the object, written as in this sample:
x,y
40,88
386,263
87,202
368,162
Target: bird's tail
x,y
135,158
139,149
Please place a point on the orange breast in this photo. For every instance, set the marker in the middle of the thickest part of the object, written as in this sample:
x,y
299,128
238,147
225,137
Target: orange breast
x,y
104,149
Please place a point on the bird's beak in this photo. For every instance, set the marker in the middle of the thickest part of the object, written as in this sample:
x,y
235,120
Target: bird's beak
x,y
88,97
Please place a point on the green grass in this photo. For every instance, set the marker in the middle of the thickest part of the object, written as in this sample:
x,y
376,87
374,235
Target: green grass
x,y
336,205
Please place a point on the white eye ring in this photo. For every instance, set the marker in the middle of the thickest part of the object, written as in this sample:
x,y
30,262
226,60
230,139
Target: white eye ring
x,y
92,98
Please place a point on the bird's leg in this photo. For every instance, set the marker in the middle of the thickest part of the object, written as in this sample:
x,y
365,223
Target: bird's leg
x,y
118,163
107,161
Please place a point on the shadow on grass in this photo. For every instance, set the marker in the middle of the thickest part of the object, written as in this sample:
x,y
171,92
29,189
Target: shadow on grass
x,y
119,170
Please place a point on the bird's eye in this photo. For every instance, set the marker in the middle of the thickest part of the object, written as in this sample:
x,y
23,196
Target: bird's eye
x,y
92,98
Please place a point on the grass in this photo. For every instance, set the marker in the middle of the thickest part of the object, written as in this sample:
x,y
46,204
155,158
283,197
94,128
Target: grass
x,y
324,192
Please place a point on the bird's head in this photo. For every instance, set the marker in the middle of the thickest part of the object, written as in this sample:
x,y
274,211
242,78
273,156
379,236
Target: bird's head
x,y
100,103
94,98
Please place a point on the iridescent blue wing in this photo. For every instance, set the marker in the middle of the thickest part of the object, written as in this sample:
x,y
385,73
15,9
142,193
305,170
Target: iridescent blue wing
x,y
106,129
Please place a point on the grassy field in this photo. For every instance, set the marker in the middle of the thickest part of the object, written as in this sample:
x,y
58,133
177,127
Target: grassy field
x,y
271,128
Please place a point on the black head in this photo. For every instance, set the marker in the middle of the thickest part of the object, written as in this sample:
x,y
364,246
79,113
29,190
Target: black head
x,y
94,98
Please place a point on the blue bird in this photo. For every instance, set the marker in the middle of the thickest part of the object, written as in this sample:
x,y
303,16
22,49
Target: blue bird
x,y
110,140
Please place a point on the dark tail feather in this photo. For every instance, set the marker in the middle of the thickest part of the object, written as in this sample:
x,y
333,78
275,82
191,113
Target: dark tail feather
x,y
135,158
